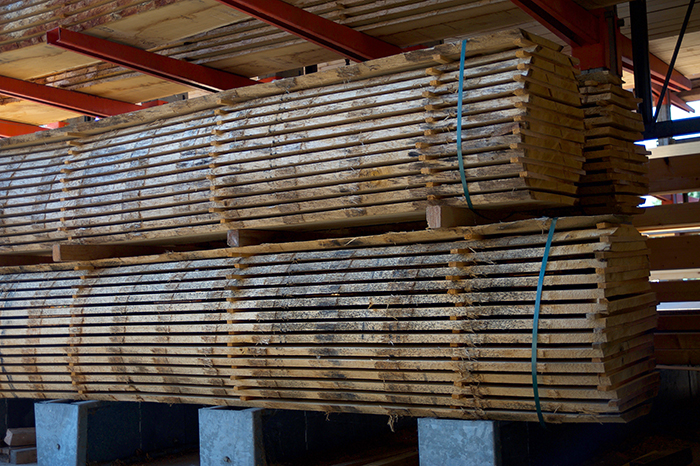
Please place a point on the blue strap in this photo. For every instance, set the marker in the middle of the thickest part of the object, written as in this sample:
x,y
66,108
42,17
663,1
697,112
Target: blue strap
x,y
535,322
459,125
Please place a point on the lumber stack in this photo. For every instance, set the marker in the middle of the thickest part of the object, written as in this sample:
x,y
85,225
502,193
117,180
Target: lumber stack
x,y
349,151
425,323
30,196
372,143
26,22
675,268
26,55
141,182
617,170
152,328
521,130
443,328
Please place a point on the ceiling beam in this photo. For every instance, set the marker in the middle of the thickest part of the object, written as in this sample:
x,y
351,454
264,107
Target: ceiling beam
x,y
77,102
153,64
9,129
338,38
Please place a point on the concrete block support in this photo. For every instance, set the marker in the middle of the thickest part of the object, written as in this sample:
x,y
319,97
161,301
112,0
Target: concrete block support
x,y
458,442
230,437
61,432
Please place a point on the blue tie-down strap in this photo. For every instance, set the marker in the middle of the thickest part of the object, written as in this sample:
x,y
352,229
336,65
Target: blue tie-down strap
x,y
460,95
536,319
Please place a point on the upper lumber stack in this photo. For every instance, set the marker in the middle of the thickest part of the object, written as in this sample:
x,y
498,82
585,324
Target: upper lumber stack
x,y
617,170
25,22
521,130
30,196
365,144
349,151
141,182
425,323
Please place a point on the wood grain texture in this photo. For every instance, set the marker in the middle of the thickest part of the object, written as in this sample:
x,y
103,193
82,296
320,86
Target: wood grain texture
x,y
427,321
374,143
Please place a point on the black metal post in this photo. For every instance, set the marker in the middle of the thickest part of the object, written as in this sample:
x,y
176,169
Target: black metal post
x,y
640,55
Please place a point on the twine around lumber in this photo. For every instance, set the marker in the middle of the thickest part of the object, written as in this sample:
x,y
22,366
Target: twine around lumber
x,y
536,318
460,159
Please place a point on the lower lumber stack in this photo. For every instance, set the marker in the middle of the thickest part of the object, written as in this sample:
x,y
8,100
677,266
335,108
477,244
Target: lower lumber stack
x,y
425,323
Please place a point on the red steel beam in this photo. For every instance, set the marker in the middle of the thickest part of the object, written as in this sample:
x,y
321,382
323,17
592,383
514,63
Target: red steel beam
x,y
568,20
581,28
78,102
338,38
153,64
13,128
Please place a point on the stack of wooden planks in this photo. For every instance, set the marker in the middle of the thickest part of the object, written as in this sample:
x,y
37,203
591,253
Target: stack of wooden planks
x,y
149,328
370,143
30,196
521,130
617,170
25,54
141,182
26,22
349,150
424,323
443,328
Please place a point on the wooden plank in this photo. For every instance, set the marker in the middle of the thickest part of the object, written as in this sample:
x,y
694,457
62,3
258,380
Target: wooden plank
x,y
674,252
81,252
22,259
679,321
674,175
677,291
23,455
668,217
675,150
17,437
